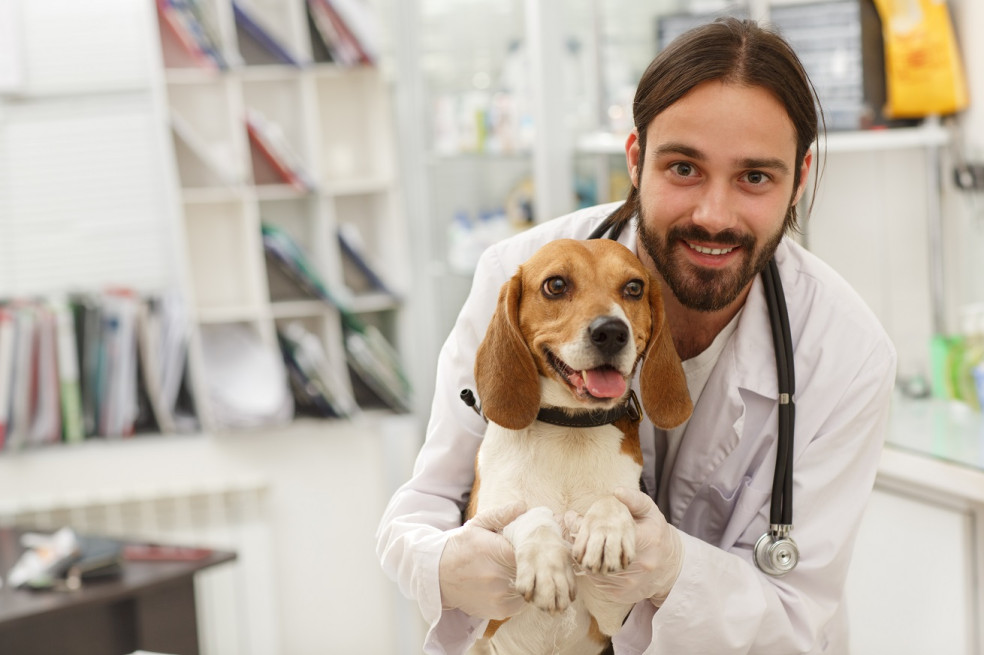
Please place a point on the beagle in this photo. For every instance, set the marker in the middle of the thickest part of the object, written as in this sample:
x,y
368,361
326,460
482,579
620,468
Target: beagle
x,y
553,374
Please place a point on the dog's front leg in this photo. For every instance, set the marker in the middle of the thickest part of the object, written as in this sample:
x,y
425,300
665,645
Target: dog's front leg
x,y
605,537
544,572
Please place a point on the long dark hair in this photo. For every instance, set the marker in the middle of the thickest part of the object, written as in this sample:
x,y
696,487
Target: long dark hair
x,y
733,51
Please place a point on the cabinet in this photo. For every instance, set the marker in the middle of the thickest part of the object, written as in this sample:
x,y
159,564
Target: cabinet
x,y
269,138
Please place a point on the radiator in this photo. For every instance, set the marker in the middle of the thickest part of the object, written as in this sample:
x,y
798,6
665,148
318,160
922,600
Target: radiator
x,y
236,602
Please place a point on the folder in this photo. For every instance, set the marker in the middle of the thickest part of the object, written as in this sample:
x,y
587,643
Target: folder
x,y
256,40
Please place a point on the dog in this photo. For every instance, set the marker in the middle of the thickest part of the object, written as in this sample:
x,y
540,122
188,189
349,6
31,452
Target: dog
x,y
553,375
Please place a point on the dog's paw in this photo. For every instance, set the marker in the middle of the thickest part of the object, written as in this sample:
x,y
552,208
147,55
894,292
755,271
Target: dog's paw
x,y
544,574
604,541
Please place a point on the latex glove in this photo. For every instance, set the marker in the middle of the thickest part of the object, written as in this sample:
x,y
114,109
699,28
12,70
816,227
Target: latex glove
x,y
658,554
478,566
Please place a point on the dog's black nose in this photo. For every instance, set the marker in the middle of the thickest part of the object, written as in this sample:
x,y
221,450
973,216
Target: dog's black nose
x,y
608,334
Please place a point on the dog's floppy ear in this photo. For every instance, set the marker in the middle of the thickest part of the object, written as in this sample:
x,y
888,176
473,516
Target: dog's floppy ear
x,y
505,374
665,395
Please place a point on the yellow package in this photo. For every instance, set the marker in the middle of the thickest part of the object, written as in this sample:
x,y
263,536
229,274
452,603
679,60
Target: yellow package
x,y
923,71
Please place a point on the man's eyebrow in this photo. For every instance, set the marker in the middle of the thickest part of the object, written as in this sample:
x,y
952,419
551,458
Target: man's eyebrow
x,y
673,148
773,163
767,163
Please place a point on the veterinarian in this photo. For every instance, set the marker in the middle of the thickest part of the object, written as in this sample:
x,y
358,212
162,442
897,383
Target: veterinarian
x,y
724,122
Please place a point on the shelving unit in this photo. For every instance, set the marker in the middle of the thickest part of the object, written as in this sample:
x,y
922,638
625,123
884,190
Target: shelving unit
x,y
97,188
334,122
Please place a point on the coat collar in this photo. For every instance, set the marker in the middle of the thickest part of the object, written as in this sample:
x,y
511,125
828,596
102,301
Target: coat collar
x,y
745,369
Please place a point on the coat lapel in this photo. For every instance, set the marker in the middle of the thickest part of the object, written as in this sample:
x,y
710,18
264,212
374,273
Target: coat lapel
x,y
747,364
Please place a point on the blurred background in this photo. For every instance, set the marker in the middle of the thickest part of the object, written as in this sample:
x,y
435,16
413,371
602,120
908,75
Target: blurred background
x,y
235,233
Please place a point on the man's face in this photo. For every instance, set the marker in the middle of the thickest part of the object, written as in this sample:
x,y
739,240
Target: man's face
x,y
714,190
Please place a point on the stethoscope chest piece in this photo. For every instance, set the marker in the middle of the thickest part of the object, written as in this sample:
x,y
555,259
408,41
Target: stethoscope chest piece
x,y
776,554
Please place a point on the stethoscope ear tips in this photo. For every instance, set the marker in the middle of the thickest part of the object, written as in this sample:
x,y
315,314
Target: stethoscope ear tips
x,y
776,555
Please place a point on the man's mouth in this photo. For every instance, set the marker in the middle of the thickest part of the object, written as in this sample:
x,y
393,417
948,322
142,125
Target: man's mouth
x,y
600,383
704,250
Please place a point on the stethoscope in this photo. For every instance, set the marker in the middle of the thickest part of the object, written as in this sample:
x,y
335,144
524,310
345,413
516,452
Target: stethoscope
x,y
775,552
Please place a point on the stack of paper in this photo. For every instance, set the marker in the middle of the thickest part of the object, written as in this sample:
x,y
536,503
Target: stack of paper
x,y
246,383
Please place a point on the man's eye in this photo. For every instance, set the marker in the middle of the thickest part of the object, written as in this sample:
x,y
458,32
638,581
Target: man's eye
x,y
634,288
683,169
554,286
757,177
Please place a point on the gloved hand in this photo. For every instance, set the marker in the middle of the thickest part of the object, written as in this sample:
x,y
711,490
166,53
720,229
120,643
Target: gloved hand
x,y
658,555
478,566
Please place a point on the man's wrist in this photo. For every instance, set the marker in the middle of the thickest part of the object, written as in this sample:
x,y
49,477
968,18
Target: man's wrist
x,y
674,564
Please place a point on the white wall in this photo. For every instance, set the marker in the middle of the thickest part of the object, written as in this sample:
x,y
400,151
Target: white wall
x,y
328,484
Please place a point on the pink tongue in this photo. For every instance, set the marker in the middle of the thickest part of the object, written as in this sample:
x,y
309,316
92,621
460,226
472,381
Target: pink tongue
x,y
604,383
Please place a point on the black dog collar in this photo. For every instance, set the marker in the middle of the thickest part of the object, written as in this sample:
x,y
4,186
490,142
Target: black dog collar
x,y
594,418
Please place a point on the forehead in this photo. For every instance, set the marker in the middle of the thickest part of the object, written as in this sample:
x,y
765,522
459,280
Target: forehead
x,y
727,121
594,256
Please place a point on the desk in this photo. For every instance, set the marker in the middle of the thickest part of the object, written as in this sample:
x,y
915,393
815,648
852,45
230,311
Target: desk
x,y
151,606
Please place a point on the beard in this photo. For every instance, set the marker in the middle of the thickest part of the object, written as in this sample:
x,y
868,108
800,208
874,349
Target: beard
x,y
698,288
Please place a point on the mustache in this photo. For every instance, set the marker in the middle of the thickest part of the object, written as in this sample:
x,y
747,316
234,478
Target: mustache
x,y
727,237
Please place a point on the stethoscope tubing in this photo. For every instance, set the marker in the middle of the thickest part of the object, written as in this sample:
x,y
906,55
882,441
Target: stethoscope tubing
x,y
781,511
776,541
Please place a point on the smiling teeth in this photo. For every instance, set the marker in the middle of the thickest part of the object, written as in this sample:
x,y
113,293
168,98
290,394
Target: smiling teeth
x,y
710,251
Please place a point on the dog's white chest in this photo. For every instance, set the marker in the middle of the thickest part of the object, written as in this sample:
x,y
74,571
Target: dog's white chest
x,y
561,468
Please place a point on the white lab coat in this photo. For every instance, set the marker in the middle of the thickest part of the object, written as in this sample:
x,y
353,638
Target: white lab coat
x,y
721,483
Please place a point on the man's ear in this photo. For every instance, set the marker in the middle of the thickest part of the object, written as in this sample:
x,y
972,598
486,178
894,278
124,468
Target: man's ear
x,y
632,157
805,167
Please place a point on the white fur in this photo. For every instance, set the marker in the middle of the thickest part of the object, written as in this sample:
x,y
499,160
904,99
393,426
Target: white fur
x,y
554,469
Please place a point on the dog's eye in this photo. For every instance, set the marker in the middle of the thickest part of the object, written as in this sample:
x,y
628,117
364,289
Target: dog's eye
x,y
634,288
554,286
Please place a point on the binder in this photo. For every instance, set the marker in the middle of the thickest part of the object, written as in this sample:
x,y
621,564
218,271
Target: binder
x,y
181,19
87,316
267,140
150,366
249,26
24,378
317,384
370,357
361,275
45,422
7,341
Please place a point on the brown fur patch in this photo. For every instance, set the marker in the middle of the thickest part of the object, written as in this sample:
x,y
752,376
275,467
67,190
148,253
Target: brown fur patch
x,y
495,625
472,508
595,634
630,440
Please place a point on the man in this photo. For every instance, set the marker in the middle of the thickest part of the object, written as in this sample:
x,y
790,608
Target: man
x,y
725,118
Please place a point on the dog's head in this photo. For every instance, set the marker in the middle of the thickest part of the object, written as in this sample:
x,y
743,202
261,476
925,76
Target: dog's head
x,y
569,329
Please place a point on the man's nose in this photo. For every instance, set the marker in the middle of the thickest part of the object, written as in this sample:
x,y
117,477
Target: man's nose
x,y
715,210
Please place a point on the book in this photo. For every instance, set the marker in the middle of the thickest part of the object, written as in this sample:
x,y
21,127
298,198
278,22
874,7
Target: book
x,y
7,342
180,25
358,20
118,384
73,426
374,362
87,318
269,145
342,47
23,383
46,416
316,383
360,274
150,368
202,27
257,39
371,358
